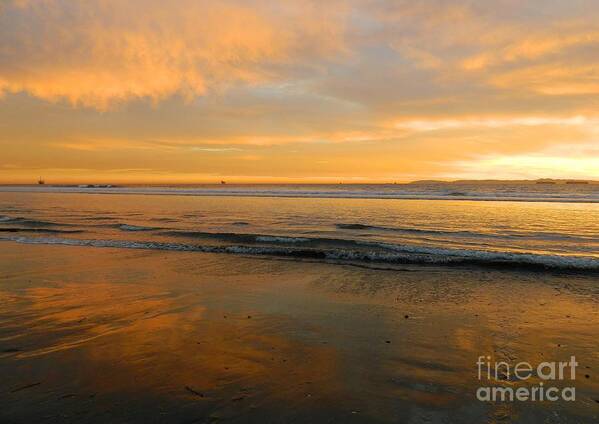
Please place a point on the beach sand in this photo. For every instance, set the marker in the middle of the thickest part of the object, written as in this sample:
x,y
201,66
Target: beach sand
x,y
109,335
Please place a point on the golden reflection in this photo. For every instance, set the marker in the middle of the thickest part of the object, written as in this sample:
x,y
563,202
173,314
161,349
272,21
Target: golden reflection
x,y
182,328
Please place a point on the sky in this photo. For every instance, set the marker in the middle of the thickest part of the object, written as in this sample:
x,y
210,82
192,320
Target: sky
x,y
195,91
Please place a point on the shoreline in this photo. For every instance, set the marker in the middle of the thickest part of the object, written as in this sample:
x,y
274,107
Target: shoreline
x,y
131,335
514,262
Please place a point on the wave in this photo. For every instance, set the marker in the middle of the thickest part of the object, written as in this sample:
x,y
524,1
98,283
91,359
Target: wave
x,y
343,243
405,230
280,239
129,227
26,221
371,252
502,235
544,235
164,219
226,237
479,193
99,218
38,230
249,238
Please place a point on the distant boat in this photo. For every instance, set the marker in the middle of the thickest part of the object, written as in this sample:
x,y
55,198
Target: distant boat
x,y
223,182
40,181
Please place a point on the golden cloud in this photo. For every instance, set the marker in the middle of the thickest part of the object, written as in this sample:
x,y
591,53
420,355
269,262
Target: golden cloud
x,y
493,122
386,88
532,46
101,52
552,79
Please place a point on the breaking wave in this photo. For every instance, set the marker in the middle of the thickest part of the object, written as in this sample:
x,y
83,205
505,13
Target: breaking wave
x,y
363,252
249,238
129,227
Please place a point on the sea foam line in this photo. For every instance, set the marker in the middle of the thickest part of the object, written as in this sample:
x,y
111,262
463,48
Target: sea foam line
x,y
394,254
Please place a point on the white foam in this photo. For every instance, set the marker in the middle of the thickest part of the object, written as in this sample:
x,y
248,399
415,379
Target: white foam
x,y
128,227
278,239
394,253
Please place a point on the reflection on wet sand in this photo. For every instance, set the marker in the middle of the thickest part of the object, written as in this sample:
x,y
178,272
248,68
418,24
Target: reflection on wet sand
x,y
188,337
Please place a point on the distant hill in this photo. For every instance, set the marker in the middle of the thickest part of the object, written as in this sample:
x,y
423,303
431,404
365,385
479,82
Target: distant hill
x,y
483,182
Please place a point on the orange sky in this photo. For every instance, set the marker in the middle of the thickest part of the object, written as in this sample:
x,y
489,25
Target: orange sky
x,y
302,91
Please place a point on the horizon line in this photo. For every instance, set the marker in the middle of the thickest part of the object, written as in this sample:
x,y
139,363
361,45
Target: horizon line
x,y
283,182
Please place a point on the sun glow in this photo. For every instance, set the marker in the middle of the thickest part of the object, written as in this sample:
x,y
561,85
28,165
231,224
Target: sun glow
x,y
304,91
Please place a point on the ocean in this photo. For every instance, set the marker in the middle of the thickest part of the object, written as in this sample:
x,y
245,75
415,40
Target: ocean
x,y
319,304
545,226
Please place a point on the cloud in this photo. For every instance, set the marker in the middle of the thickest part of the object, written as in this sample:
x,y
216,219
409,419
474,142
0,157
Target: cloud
x,y
380,88
528,47
100,52
558,79
215,149
473,123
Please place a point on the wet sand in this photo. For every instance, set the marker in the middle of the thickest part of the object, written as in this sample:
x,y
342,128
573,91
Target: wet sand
x,y
109,335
